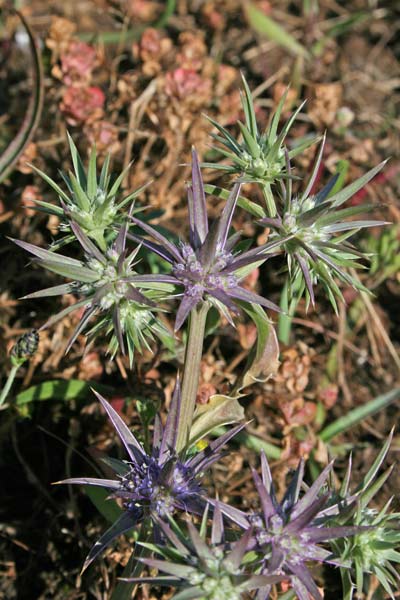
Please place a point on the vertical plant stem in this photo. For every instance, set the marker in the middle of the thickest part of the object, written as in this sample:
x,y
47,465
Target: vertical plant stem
x,y
286,318
269,200
9,383
191,372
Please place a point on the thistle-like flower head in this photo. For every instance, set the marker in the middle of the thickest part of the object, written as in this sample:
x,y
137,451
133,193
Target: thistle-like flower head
x,y
25,347
260,156
108,289
158,484
208,570
207,267
90,201
375,549
288,532
316,233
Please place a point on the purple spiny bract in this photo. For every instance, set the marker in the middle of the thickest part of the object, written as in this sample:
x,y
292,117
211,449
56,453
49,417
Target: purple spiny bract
x,y
199,279
208,267
153,485
289,532
158,487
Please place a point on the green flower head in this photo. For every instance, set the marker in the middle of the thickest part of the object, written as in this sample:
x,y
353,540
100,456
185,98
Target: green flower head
x,y
90,201
117,301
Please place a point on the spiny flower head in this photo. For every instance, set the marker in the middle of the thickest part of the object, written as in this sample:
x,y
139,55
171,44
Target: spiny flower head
x,y
158,484
288,532
108,290
208,570
260,157
315,233
90,201
375,549
25,347
207,267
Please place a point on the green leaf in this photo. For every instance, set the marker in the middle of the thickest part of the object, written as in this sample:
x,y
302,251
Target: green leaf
x,y
359,414
349,191
220,410
77,162
248,107
60,389
251,143
271,30
92,176
263,361
48,208
12,153
52,184
342,168
79,193
108,508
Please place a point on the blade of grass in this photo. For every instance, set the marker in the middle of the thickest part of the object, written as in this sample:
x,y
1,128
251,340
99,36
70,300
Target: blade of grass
x,y
252,442
14,150
271,30
358,414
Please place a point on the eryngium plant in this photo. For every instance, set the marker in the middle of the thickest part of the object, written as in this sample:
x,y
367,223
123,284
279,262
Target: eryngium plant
x,y
260,156
154,485
109,290
208,267
375,549
288,533
91,201
214,570
314,231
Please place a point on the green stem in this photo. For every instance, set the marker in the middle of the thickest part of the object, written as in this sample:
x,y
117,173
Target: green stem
x,y
191,373
269,199
9,383
285,318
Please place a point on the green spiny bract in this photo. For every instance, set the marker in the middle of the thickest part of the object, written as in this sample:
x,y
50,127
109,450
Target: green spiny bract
x,y
315,234
91,201
207,570
260,157
109,289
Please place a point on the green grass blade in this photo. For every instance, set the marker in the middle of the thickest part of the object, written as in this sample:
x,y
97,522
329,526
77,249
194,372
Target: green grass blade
x,y
60,389
358,414
271,30
14,150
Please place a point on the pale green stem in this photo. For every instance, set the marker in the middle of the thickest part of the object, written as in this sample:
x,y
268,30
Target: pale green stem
x,y
191,373
99,239
269,199
285,318
9,383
